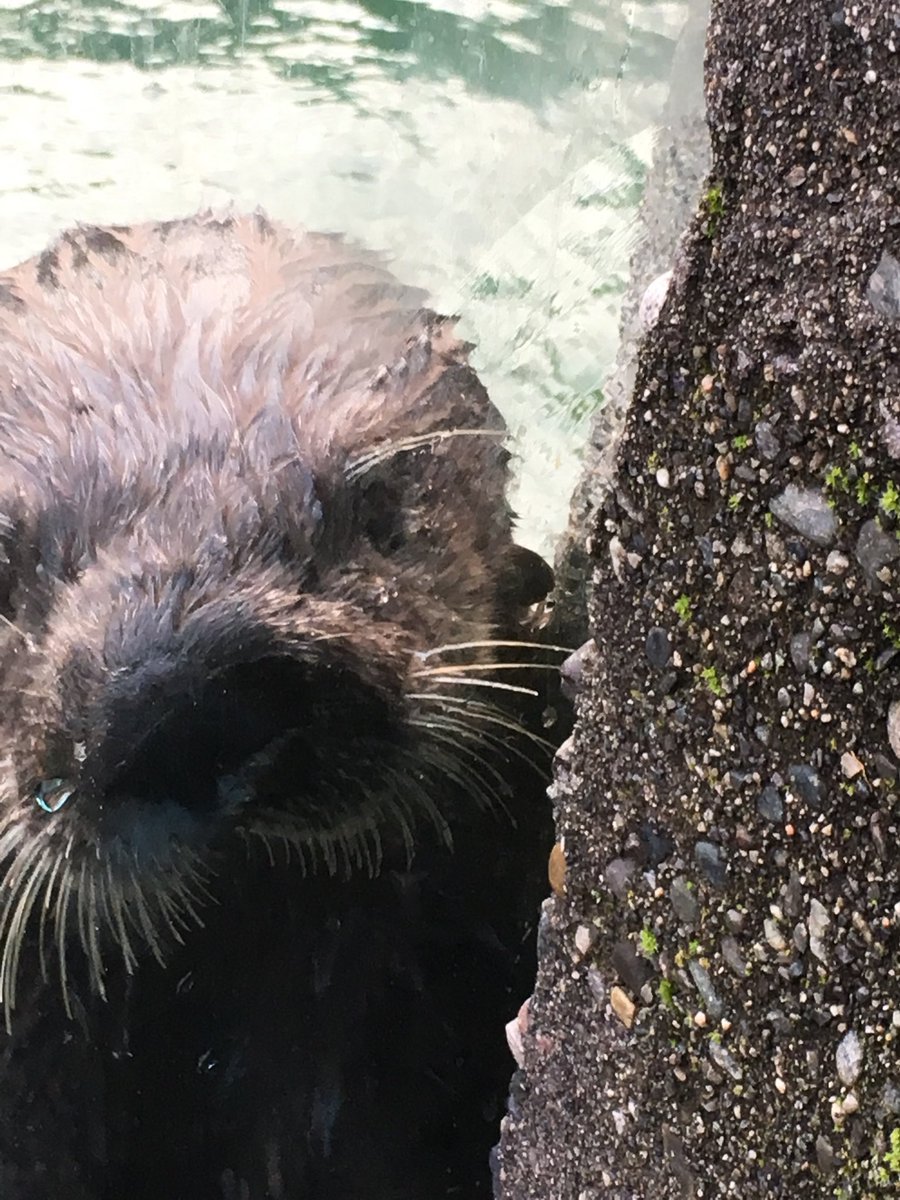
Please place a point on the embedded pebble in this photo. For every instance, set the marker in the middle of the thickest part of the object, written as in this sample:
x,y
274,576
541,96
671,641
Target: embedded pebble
x,y
806,511
875,549
622,1006
893,726
572,670
770,805
825,1155
774,936
684,902
704,986
818,923
806,783
658,648
663,478
617,874
801,648
653,299
556,869
837,563
849,1057
766,441
731,953
850,765
584,939
883,290
725,1060
708,858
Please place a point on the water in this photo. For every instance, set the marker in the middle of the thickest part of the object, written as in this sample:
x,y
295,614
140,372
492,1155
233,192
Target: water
x,y
496,149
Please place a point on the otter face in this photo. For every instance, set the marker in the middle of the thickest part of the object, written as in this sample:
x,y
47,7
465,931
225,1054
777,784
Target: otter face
x,y
255,562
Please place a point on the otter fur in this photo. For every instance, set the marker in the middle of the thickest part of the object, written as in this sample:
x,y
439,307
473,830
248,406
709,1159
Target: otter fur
x,y
261,913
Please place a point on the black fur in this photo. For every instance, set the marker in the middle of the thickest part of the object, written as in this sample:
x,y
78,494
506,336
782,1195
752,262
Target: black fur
x,y
249,487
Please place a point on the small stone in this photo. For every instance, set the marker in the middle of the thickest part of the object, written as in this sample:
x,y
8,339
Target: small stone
x,y
731,953
893,726
584,939
725,1061
618,874
767,443
735,920
652,301
837,563
806,511
515,1042
807,784
663,478
774,936
556,869
658,648
825,1156
849,1057
708,857
801,648
875,549
770,805
684,902
573,668
597,986
796,176
700,1019
622,1006
850,765
883,291
783,697
818,923
704,986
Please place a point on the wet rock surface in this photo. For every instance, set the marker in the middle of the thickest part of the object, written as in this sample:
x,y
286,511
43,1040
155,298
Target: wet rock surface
x,y
743,702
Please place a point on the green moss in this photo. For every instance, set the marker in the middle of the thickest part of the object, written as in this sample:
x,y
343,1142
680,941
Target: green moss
x,y
890,500
714,207
855,451
836,479
712,682
734,500
892,1158
649,944
682,608
741,442
890,631
863,488
666,993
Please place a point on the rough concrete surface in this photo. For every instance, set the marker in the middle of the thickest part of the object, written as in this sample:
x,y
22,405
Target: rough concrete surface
x,y
717,1011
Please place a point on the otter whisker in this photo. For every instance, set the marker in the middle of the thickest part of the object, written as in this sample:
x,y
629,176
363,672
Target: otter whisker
x,y
440,729
96,958
365,462
15,931
488,644
483,712
462,774
45,912
118,918
503,745
62,911
439,677
461,668
143,913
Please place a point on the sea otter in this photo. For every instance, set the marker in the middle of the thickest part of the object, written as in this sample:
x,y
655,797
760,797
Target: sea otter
x,y
263,877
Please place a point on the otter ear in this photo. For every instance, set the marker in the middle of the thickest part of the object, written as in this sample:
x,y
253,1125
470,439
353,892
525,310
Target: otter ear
x,y
524,579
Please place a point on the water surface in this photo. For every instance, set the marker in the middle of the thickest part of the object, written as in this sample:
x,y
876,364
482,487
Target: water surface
x,y
496,149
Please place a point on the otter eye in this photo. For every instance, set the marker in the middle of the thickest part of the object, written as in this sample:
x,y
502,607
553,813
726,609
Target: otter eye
x,y
52,794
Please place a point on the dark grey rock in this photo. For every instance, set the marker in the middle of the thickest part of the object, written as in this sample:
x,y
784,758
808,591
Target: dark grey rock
x,y
883,290
807,512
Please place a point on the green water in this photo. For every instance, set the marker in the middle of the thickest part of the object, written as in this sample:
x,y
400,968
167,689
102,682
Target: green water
x,y
495,148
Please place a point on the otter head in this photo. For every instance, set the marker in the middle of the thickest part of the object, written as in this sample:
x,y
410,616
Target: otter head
x,y
235,530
